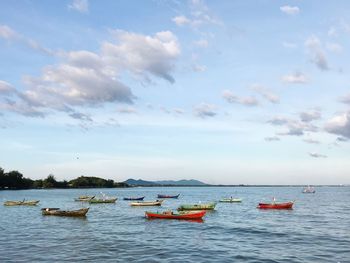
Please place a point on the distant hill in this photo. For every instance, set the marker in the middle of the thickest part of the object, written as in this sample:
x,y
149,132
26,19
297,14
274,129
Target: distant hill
x,y
140,182
181,182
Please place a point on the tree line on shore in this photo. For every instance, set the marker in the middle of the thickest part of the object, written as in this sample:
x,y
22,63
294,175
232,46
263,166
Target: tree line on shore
x,y
16,180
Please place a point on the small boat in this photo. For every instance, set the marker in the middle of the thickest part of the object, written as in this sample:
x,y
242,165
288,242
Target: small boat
x,y
309,190
24,202
147,203
176,215
133,198
231,200
288,205
208,206
84,198
102,200
168,196
58,212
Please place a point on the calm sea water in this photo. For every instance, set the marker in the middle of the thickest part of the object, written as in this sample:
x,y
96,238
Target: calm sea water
x,y
316,230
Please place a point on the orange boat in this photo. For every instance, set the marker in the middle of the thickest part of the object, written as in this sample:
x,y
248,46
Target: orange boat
x,y
288,205
177,215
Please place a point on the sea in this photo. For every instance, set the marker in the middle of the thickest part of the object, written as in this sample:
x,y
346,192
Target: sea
x,y
316,230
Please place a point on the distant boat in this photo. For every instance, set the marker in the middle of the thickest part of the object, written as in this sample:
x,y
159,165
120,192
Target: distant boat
x,y
288,205
208,206
176,215
58,212
147,203
168,196
231,200
133,198
102,200
84,198
309,190
29,202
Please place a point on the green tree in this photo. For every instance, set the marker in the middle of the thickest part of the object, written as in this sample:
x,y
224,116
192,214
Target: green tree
x,y
50,181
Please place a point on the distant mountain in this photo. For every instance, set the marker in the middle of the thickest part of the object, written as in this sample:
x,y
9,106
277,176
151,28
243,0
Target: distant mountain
x,y
181,182
141,182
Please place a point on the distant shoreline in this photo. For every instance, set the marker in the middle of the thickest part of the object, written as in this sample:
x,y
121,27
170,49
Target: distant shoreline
x,y
172,186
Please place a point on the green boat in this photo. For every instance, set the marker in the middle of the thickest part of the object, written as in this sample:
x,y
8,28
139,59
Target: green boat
x,y
102,201
207,206
231,200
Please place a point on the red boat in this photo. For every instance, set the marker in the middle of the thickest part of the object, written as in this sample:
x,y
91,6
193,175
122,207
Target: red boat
x,y
177,215
288,205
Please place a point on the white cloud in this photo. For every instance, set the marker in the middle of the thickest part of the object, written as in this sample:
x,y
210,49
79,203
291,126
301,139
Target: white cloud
x,y
181,20
231,98
204,110
266,93
202,43
127,110
179,111
317,155
293,127
199,68
295,78
143,55
339,125
85,78
308,116
318,57
345,99
9,34
6,88
200,16
290,10
81,6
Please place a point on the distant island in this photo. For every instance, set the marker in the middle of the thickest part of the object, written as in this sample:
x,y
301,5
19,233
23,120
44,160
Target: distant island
x,y
15,180
140,182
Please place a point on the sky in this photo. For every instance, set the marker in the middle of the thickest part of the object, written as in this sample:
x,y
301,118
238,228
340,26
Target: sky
x,y
226,92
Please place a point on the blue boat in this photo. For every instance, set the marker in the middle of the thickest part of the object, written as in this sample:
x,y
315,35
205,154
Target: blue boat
x,y
133,198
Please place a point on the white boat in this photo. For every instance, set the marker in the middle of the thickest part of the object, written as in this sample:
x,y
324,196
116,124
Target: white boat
x,y
309,190
147,203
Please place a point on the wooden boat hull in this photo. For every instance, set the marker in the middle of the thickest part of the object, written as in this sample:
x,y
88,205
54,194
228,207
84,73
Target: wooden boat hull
x,y
28,203
229,200
84,198
179,216
209,206
168,196
71,213
133,198
145,203
288,205
102,201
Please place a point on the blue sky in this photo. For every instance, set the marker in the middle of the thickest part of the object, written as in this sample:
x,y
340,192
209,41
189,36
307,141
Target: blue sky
x,y
231,92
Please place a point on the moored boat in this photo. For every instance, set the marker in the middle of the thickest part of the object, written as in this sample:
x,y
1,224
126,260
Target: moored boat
x,y
133,198
147,203
309,190
231,200
208,206
287,205
58,212
24,202
168,196
84,198
102,200
176,215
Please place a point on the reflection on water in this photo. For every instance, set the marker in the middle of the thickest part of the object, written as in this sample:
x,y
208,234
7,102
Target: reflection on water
x,y
316,230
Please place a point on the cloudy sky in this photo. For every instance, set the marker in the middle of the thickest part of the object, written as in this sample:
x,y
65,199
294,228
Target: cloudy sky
x,y
249,92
